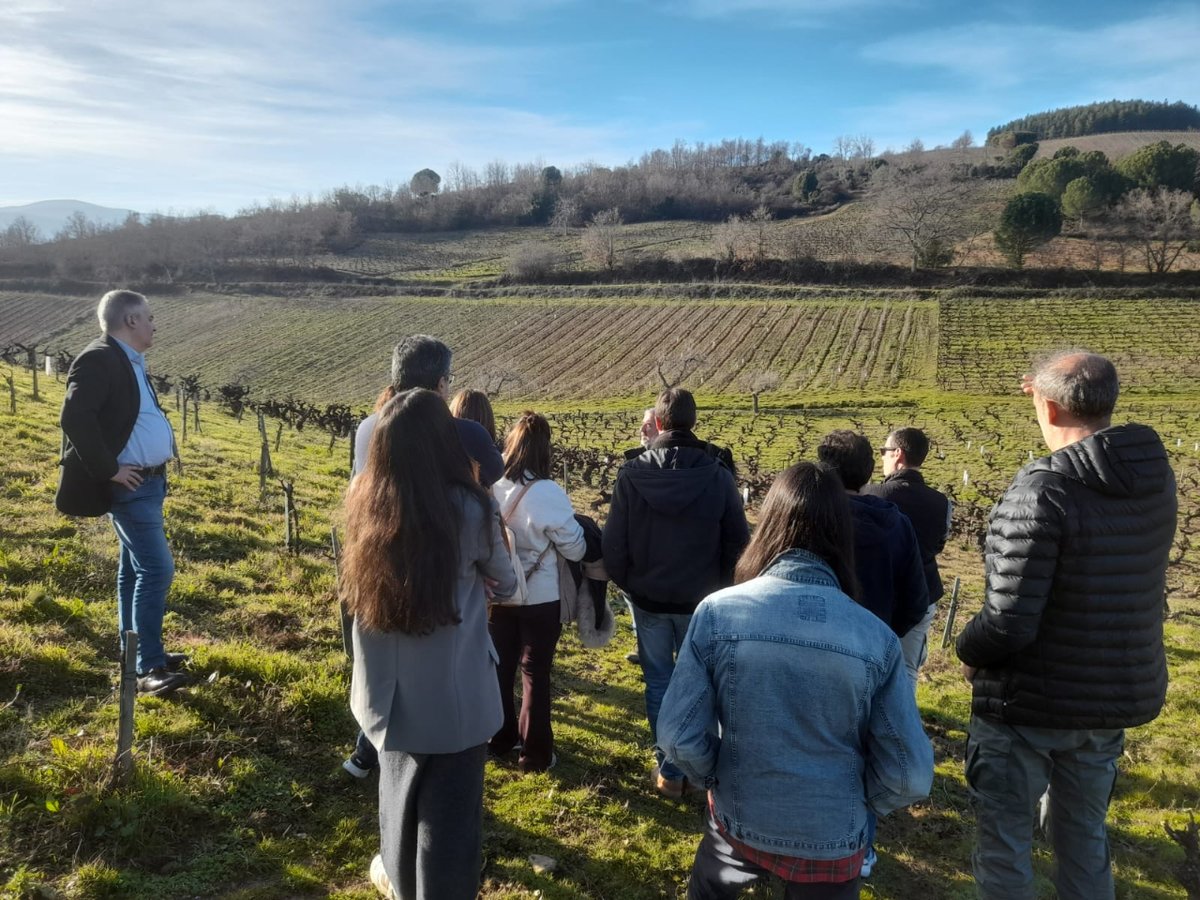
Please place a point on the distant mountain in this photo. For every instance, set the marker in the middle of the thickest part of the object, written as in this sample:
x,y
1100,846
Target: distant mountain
x,y
50,215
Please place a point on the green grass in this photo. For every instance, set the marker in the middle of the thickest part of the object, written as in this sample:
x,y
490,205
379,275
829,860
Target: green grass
x,y
238,791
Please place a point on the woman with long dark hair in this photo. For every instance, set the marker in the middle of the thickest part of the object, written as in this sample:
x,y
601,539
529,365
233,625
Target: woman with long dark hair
x,y
793,703
422,536
538,513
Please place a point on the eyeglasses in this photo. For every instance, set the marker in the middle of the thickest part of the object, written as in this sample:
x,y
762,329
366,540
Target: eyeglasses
x,y
884,451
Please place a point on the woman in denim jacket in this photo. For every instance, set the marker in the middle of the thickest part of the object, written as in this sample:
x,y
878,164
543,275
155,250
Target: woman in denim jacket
x,y
791,704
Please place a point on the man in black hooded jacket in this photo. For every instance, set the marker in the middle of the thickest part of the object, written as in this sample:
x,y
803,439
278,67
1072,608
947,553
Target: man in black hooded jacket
x,y
673,536
1067,651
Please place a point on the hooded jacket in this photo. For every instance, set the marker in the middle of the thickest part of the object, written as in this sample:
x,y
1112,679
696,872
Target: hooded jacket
x,y
1071,634
887,561
676,526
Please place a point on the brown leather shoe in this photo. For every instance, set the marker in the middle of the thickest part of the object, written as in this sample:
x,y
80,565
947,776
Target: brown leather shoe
x,y
672,788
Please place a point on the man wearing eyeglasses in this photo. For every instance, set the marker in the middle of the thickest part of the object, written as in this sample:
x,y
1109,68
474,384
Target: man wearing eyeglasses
x,y
929,511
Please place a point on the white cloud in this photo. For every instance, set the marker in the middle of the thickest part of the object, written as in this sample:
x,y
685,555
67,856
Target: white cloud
x,y
204,102
1161,46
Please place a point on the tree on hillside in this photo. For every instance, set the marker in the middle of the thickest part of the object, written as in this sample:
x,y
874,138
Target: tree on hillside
x,y
1082,199
599,241
804,185
19,233
1161,165
921,211
758,383
964,141
493,379
675,369
425,182
1161,223
1027,222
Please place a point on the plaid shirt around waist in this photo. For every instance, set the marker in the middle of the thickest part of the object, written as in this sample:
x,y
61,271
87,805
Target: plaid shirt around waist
x,y
794,868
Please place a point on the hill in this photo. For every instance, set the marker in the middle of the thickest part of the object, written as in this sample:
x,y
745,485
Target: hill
x,y
50,216
1103,117
1118,144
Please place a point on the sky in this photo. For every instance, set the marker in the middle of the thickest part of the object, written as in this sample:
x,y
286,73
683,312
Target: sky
x,y
179,106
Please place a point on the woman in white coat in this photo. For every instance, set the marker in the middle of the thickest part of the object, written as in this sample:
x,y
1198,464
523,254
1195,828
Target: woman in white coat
x,y
539,515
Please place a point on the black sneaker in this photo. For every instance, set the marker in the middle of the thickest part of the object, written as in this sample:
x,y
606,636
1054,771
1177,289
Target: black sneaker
x,y
356,767
176,661
160,682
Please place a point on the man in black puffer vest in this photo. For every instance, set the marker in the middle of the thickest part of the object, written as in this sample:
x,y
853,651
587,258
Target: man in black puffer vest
x,y
1067,651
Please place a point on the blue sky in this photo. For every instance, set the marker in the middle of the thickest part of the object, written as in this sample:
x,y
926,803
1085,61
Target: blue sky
x,y
182,105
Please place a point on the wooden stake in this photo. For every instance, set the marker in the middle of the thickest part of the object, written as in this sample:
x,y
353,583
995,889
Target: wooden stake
x,y
123,764
951,613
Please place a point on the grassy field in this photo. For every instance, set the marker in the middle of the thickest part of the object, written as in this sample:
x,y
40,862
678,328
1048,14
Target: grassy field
x,y
238,790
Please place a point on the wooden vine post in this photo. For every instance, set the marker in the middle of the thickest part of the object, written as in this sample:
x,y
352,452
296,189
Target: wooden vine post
x,y
12,393
951,612
265,469
34,369
123,763
291,518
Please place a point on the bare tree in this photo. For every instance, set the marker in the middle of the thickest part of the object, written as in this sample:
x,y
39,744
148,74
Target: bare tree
x,y
493,379
674,370
757,383
964,141
862,147
599,241
729,240
922,211
1160,222
19,233
566,214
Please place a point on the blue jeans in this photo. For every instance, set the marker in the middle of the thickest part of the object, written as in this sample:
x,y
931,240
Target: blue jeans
x,y
1008,769
915,645
145,570
659,637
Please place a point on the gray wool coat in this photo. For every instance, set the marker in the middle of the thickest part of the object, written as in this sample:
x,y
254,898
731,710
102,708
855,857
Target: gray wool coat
x,y
438,693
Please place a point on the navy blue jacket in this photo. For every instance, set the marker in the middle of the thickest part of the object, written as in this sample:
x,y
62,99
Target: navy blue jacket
x,y
888,563
929,512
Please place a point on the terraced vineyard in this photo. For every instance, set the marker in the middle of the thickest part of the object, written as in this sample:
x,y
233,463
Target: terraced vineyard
x,y
338,349
1154,343
40,318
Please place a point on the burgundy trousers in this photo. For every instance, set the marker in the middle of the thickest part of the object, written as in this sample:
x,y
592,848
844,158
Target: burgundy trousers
x,y
526,637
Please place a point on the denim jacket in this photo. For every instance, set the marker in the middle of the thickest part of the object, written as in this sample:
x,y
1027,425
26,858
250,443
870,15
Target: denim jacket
x,y
790,702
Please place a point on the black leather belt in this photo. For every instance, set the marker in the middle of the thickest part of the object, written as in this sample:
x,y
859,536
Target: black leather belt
x,y
152,471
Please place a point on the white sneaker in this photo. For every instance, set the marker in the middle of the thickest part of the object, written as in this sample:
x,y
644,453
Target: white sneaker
x,y
868,863
380,879
355,769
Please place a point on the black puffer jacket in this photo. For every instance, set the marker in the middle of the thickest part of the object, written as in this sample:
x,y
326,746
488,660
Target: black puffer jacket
x,y
1071,634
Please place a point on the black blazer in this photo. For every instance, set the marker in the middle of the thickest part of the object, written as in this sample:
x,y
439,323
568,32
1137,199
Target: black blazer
x,y
98,415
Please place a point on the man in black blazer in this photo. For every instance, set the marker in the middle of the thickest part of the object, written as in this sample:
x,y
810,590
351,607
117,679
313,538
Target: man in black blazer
x,y
116,444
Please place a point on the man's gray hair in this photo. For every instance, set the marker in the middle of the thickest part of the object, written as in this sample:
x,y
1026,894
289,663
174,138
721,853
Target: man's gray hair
x,y
420,361
115,306
1084,384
